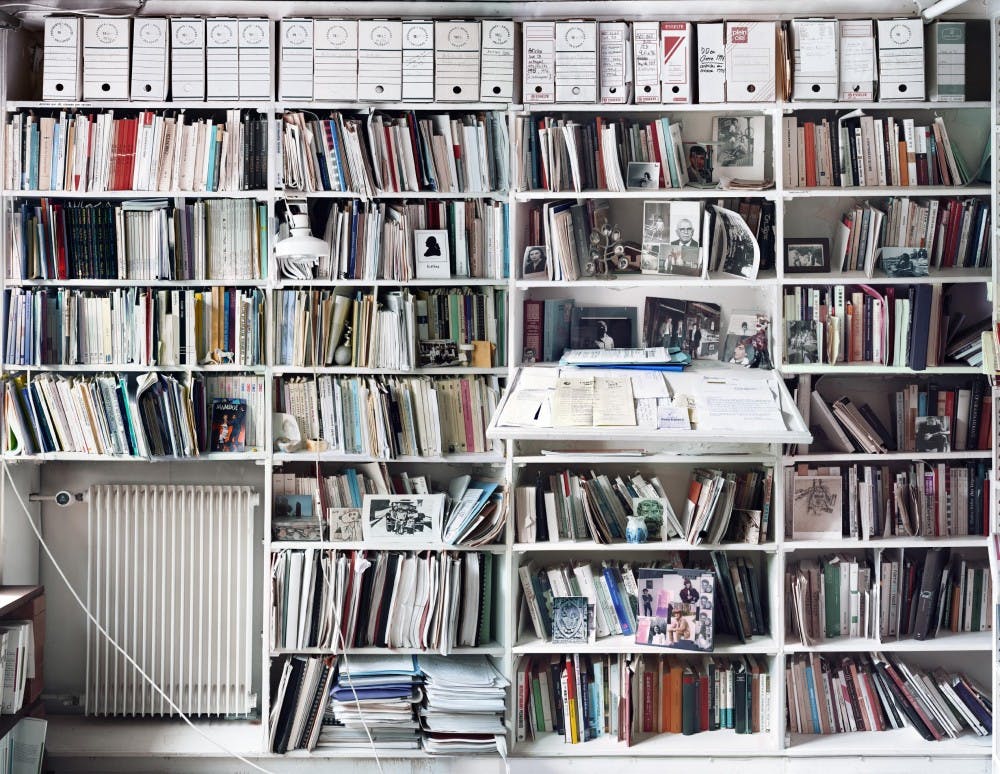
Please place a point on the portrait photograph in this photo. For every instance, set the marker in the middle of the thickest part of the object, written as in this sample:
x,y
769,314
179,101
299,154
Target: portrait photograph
x,y
803,256
676,609
535,264
699,158
603,327
643,175
933,434
905,261
801,343
739,146
411,521
431,254
746,341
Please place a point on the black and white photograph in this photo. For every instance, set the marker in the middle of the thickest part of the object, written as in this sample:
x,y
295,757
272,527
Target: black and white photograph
x,y
603,327
801,344
411,521
807,255
739,147
933,434
676,609
535,264
905,261
817,507
643,175
746,341
571,617
685,252
665,323
702,331
430,251
699,158
437,352
734,247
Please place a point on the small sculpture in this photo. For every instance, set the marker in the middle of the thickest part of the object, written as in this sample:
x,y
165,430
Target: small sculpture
x,y
607,252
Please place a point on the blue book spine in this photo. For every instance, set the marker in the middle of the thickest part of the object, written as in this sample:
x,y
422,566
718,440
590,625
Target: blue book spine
x,y
353,484
618,602
210,180
814,708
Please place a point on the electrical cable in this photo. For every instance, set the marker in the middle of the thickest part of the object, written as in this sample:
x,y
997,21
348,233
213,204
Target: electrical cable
x,y
105,13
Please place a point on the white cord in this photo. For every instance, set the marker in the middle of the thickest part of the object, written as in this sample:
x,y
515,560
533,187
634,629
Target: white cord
x,y
101,12
109,638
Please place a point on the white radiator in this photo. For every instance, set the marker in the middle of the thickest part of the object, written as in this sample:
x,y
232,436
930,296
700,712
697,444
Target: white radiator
x,y
170,576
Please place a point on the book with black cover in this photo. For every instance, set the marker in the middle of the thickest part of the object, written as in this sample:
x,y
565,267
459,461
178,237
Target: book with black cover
x,y
934,564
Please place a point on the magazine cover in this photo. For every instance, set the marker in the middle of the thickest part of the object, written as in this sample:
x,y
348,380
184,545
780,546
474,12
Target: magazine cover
x,y
676,609
229,425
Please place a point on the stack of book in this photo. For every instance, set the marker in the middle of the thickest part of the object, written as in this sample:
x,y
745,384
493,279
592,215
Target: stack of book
x,y
389,417
464,704
134,326
838,694
17,648
299,701
144,239
77,151
831,597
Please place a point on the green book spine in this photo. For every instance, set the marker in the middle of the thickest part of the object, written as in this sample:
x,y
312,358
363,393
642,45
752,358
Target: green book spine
x,y
831,587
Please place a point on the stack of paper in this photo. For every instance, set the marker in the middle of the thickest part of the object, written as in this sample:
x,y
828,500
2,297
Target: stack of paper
x,y
464,704
374,695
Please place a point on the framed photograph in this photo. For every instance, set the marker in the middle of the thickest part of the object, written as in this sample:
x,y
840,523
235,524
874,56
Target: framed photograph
x,y
801,342
739,146
430,252
437,352
746,341
933,434
571,617
535,264
407,521
643,175
676,609
817,507
699,158
603,327
344,524
905,261
665,321
803,256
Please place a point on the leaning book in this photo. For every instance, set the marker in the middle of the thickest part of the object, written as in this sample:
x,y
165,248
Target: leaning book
x,y
229,425
676,609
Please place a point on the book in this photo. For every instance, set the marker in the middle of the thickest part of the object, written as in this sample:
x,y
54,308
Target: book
x,y
229,418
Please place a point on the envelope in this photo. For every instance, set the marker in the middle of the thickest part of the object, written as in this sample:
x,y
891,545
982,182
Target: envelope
x,y
538,62
222,58
901,59
815,71
187,58
380,60
456,61
858,75
418,60
255,58
496,63
107,49
335,59
676,71
750,61
62,78
576,61
614,63
295,65
646,58
150,60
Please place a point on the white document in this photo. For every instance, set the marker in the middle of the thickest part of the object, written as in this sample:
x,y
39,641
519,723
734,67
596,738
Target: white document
x,y
540,378
538,63
255,58
62,78
901,59
645,413
735,404
858,74
150,60
380,60
456,61
222,59
335,59
614,405
671,417
750,61
573,402
676,73
187,59
496,77
615,63
107,47
418,61
814,59
295,66
646,59
617,356
711,62
576,61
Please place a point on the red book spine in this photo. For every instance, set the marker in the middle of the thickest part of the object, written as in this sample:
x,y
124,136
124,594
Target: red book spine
x,y
985,424
467,416
703,690
810,141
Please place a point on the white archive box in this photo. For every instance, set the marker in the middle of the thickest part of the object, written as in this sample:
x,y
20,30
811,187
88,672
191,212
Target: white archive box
x,y
496,64
858,72
750,61
676,70
418,60
107,50
815,70
255,58
150,59
335,59
538,61
295,68
646,56
380,60
456,61
187,57
222,59
900,59
62,78
614,46
946,61
711,62
576,61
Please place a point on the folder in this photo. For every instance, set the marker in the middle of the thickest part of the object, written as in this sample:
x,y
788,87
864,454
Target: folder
x,y
62,77
858,74
335,59
150,60
380,60
255,58
946,61
222,59
576,61
187,57
538,62
295,65
418,61
711,62
456,60
750,61
675,67
900,59
646,60
615,63
815,72
496,64
107,51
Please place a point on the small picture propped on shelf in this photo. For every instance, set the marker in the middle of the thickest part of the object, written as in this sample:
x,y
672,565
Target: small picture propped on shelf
x,y
536,263
676,609
229,425
644,176
807,256
412,521
905,261
933,434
